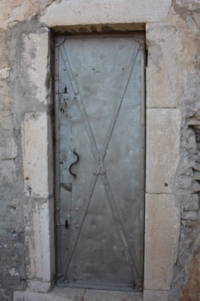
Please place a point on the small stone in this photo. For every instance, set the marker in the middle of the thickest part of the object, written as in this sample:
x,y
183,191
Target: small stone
x,y
190,142
185,182
4,72
193,203
197,165
6,120
14,234
197,175
191,224
7,172
8,148
195,187
189,215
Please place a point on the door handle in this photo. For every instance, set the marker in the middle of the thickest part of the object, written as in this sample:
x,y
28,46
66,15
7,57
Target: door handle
x,y
70,168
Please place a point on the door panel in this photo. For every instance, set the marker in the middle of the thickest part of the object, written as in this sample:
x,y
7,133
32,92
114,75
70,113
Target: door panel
x,y
100,119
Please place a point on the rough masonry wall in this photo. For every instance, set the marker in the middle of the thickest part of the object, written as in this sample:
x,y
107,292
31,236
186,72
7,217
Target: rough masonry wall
x,y
186,279
173,163
17,97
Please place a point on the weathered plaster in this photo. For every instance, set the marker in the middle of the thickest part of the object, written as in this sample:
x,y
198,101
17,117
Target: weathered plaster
x,y
16,11
16,99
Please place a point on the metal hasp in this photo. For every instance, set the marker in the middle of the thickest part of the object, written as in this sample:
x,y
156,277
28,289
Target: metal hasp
x,y
99,109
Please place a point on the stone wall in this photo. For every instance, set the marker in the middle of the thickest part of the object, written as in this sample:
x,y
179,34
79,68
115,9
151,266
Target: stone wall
x,y
172,241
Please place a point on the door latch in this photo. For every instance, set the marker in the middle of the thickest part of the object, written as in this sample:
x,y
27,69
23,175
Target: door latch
x,y
70,168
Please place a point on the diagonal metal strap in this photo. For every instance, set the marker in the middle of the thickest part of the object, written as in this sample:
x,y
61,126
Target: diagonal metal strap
x,y
104,178
119,224
87,125
119,101
99,156
94,149
82,216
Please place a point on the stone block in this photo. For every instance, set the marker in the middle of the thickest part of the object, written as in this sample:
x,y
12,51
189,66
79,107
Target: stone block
x,y
189,215
195,187
162,152
161,240
162,78
3,50
105,12
193,203
36,63
196,165
7,172
39,286
6,120
4,72
35,154
189,141
8,148
78,294
39,243
197,175
187,4
155,295
5,99
100,295
190,224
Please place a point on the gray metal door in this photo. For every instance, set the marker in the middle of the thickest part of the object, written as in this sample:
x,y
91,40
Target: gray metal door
x,y
100,161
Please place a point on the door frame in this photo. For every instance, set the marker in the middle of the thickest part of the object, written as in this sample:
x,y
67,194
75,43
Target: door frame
x,y
56,127
161,213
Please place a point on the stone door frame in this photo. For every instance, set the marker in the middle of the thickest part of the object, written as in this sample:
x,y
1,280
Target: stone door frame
x,y
161,216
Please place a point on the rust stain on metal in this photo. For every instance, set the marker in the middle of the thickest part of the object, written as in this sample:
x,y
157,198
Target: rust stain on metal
x,y
66,186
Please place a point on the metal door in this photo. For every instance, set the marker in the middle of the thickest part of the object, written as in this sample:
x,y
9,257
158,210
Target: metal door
x,y
100,161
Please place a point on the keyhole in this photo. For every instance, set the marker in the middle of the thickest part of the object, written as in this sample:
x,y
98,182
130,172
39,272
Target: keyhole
x,y
65,89
66,224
